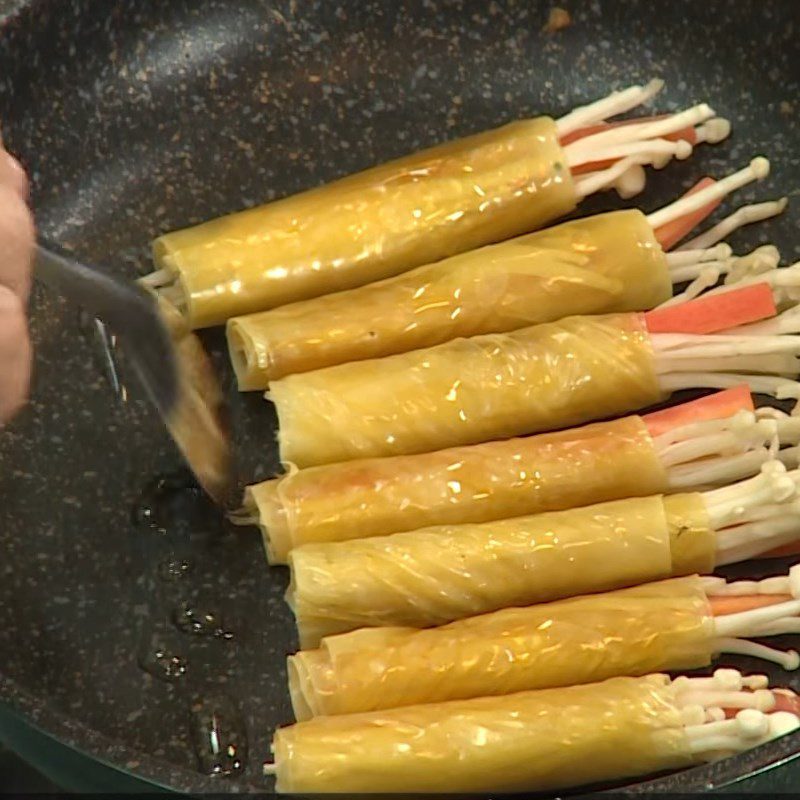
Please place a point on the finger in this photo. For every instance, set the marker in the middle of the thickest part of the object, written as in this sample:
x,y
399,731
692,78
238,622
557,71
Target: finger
x,y
15,354
17,236
13,174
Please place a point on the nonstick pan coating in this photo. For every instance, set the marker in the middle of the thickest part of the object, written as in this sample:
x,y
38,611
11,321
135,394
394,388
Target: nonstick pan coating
x,y
135,118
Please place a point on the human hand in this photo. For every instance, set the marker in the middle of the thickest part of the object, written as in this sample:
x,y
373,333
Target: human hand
x,y
16,254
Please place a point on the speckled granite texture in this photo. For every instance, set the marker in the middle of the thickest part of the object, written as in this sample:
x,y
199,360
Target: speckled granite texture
x,y
138,117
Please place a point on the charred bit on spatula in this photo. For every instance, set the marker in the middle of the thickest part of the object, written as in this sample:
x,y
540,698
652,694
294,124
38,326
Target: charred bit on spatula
x,y
199,422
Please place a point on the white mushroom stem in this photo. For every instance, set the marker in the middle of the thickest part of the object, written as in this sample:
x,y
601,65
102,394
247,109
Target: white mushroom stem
x,y
616,103
784,365
764,258
748,729
735,268
760,699
759,536
746,215
707,275
685,258
157,279
611,177
641,144
757,170
723,678
754,539
777,584
657,152
774,620
751,499
785,283
698,440
788,659
710,472
693,271
586,149
685,352
712,132
790,457
627,184
787,428
716,452
750,623
786,322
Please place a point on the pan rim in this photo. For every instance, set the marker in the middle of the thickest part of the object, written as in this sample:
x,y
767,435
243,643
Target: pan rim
x,y
87,741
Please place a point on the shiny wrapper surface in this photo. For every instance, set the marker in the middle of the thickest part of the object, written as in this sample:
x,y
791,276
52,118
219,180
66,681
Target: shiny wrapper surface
x,y
466,391
372,225
539,740
477,483
651,628
437,575
607,263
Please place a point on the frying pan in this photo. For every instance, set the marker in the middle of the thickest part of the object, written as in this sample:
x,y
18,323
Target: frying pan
x,y
134,118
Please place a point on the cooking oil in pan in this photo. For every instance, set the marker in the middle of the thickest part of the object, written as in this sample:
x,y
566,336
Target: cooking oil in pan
x,y
185,621
163,665
173,570
219,735
189,619
174,503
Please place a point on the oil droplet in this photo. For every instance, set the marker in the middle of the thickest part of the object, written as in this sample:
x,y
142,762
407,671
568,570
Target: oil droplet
x,y
175,503
174,569
189,619
219,736
163,665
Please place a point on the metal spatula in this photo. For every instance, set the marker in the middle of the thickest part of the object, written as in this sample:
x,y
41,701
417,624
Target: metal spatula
x,y
166,357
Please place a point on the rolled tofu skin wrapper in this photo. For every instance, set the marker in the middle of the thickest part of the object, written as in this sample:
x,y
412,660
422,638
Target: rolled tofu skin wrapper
x,y
692,539
602,264
541,740
372,225
536,379
479,483
437,575
652,628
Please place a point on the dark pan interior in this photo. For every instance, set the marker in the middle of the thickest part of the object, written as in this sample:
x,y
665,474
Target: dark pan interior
x,y
139,117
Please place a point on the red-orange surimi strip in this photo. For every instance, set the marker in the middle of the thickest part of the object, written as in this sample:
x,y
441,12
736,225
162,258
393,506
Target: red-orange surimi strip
x,y
713,406
734,604
670,234
785,700
716,312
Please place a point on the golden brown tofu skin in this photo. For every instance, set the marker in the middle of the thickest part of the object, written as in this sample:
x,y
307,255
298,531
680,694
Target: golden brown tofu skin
x,y
602,264
543,740
651,628
477,483
692,539
438,575
372,225
536,379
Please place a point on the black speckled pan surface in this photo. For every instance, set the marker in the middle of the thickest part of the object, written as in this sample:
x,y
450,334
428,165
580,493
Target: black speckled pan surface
x,y
139,117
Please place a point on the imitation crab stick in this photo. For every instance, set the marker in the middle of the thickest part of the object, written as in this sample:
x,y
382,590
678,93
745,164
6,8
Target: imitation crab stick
x,y
672,232
607,263
416,210
711,441
676,624
536,379
534,740
440,574
711,314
